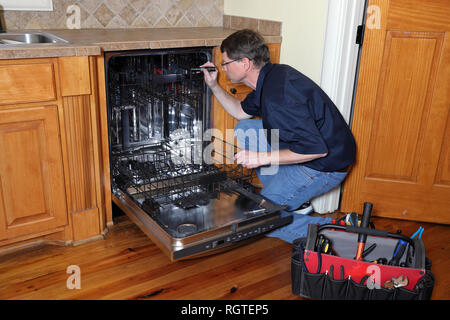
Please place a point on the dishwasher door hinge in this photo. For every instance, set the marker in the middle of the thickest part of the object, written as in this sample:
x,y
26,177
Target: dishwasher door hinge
x,y
360,34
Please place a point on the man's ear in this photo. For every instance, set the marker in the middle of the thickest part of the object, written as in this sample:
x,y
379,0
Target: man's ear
x,y
248,63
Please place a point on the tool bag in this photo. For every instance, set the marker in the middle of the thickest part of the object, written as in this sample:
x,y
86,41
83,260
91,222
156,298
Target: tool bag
x,y
337,275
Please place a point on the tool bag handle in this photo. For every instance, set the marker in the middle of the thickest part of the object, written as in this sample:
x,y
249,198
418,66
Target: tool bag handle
x,y
371,232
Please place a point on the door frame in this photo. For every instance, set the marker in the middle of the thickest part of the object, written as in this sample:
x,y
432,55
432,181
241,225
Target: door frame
x,y
339,71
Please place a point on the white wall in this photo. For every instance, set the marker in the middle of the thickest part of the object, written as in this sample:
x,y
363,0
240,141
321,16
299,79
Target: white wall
x,y
303,28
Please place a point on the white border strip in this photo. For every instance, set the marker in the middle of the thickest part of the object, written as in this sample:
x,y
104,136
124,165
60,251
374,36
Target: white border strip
x,y
339,63
26,5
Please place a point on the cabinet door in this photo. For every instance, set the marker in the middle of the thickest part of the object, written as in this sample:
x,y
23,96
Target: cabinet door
x,y
32,194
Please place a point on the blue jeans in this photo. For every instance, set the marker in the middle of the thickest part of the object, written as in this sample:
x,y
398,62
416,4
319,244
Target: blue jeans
x,y
292,184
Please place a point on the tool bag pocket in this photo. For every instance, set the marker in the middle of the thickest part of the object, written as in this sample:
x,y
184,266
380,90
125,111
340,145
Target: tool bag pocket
x,y
305,284
356,291
330,277
335,289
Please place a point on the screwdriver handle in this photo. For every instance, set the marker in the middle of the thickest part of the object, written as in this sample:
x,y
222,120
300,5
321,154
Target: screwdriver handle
x,y
362,237
209,69
367,211
398,253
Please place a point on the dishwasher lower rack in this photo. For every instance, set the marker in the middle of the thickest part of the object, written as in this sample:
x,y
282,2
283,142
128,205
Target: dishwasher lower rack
x,y
167,174
191,209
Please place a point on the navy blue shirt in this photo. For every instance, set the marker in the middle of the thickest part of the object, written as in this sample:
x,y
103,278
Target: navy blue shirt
x,y
307,119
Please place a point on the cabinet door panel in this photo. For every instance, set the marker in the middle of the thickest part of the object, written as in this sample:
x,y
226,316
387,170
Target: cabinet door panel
x,y
27,82
32,194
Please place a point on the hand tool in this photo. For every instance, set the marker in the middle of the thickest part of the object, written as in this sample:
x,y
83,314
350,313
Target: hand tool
x,y
301,257
371,284
363,279
401,281
209,69
364,224
339,221
325,245
347,220
410,253
319,256
380,261
398,282
354,219
332,272
398,252
418,233
369,250
389,284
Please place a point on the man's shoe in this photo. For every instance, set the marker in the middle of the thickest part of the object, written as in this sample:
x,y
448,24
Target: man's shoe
x,y
305,208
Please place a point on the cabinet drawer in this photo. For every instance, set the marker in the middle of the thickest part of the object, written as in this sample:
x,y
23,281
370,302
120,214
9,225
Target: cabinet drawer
x,y
27,82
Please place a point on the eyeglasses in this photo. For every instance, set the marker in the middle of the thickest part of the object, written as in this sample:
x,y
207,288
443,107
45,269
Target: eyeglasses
x,y
223,64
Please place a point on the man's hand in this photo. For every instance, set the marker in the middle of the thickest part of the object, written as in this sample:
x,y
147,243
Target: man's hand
x,y
210,77
252,159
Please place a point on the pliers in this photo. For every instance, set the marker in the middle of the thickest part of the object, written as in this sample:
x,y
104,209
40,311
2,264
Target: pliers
x,y
341,267
418,233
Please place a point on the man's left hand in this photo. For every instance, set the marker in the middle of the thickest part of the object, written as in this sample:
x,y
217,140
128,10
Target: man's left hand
x,y
252,159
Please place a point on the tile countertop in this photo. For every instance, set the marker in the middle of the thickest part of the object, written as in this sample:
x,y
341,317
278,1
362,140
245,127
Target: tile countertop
x,y
85,42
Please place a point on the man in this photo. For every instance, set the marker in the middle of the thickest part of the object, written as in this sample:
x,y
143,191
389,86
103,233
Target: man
x,y
306,134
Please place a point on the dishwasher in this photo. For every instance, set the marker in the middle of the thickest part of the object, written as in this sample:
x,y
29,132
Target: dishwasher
x,y
164,175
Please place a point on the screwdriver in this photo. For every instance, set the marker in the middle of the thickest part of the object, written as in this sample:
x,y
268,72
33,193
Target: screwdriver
x,y
209,69
398,252
364,224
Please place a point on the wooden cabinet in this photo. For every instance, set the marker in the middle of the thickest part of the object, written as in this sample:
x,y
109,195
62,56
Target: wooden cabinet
x,y
50,187
79,105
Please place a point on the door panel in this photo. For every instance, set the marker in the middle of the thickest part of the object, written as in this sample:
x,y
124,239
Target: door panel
x,y
401,116
32,194
403,106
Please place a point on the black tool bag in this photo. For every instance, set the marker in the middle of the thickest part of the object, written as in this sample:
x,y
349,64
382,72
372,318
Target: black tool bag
x,y
336,275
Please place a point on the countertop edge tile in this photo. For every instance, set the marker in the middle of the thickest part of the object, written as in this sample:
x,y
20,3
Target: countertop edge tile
x,y
84,42
36,52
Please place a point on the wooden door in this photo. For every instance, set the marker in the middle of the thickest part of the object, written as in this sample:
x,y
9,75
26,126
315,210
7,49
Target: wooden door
x,y
32,194
401,119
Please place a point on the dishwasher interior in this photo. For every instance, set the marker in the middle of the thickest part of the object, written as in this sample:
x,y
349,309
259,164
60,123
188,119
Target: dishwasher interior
x,y
164,174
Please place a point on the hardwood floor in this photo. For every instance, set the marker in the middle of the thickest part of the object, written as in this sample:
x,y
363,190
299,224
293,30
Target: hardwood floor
x,y
127,265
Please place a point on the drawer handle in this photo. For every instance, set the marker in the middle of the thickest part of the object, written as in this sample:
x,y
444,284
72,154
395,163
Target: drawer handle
x,y
233,90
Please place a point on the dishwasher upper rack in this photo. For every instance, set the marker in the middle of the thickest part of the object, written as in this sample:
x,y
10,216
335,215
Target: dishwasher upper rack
x,y
158,173
154,114
183,85
170,87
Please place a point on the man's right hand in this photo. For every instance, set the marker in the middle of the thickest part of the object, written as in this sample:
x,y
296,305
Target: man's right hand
x,y
210,77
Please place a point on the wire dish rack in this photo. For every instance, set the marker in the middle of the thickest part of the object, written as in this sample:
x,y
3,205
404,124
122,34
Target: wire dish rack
x,y
166,174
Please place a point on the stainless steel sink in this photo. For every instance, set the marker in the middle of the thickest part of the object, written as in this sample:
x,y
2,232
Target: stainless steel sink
x,y
29,38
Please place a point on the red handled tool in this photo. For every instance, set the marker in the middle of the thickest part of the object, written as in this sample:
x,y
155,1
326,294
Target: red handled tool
x,y
364,224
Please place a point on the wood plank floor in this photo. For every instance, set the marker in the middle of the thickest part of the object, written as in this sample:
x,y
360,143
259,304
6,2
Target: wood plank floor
x,y
127,265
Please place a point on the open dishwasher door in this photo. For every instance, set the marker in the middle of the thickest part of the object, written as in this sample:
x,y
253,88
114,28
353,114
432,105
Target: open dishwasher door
x,y
163,173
